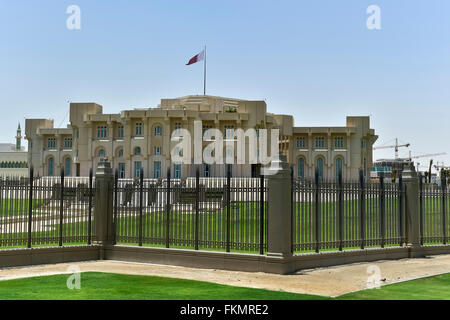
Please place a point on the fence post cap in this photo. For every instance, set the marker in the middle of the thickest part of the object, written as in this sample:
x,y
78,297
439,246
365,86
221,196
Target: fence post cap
x,y
278,167
104,168
409,172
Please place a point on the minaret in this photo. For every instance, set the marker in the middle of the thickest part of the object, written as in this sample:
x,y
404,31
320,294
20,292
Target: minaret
x,y
19,138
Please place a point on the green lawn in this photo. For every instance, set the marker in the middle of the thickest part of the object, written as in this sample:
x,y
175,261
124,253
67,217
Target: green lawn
x,y
17,207
107,286
430,288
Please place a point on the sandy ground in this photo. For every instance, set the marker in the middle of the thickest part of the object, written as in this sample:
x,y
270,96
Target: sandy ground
x,y
332,281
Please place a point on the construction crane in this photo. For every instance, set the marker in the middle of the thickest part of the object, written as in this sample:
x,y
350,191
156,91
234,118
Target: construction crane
x,y
441,166
423,156
395,146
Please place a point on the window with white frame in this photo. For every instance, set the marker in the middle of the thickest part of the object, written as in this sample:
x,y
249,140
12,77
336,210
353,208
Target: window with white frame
x,y
207,134
121,170
51,143
67,143
158,131
319,142
157,169
120,132
206,170
137,169
177,170
339,142
139,129
301,143
157,151
177,128
102,132
229,132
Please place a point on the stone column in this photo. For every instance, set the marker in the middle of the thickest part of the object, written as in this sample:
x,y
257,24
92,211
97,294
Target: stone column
x,y
279,209
103,203
411,183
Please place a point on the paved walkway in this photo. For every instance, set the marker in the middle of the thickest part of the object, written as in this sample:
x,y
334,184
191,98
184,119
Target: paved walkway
x,y
332,281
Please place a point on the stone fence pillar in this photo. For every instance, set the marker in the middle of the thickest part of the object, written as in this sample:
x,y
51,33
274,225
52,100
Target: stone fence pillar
x,y
103,203
279,226
412,214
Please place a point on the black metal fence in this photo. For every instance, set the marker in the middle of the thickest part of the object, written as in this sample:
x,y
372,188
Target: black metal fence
x,y
46,211
228,214
434,204
333,215
199,213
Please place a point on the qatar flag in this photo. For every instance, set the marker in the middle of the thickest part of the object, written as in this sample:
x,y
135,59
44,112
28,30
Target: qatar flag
x,y
197,58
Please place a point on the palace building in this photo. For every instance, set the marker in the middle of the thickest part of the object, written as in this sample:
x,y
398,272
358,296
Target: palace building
x,y
13,158
141,138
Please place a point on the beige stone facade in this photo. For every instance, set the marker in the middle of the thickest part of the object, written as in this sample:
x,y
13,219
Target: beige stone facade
x,y
141,138
13,159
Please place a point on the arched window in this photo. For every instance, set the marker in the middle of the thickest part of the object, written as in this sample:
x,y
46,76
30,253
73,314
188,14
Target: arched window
x,y
300,168
365,168
137,151
177,170
101,153
319,168
338,166
67,166
50,166
120,153
158,130
229,156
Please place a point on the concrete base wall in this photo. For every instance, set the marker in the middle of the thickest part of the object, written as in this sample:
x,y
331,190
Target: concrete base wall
x,y
209,259
34,256
261,263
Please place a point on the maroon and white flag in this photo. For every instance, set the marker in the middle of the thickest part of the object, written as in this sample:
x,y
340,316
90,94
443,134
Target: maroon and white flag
x,y
197,58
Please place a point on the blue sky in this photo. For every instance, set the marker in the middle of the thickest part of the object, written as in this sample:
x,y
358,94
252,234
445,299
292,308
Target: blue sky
x,y
315,60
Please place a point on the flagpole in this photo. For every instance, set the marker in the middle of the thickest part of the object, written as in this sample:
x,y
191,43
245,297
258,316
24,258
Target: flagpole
x,y
204,74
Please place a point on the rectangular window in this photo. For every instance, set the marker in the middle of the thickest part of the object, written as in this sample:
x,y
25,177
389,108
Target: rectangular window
x,y
139,129
157,151
121,170
67,143
205,134
137,169
177,128
51,143
301,143
120,132
229,132
157,169
177,170
158,131
339,142
102,132
319,142
363,144
206,170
